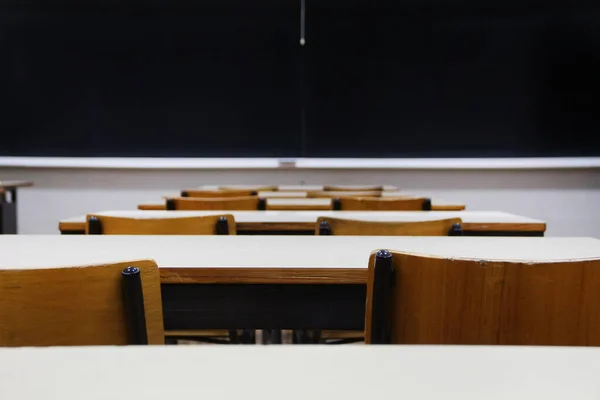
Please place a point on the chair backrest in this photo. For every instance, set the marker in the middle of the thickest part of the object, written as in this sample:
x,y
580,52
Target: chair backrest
x,y
203,225
383,204
414,299
110,304
354,188
217,193
228,204
349,227
342,194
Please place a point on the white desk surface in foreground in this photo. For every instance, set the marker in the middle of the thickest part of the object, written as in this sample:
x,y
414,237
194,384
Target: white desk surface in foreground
x,y
300,372
31,251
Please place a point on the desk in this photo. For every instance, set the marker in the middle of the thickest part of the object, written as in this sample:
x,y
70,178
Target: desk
x,y
299,373
8,205
297,204
291,282
475,223
295,188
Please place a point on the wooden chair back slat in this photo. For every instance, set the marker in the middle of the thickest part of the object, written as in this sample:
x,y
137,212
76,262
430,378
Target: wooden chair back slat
x,y
75,306
382,204
343,194
484,302
203,225
198,193
247,203
348,227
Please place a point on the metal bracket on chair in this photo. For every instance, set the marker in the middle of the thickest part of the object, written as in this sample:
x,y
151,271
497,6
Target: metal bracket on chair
x,y
337,204
170,204
383,290
456,230
324,228
262,204
133,297
222,226
94,226
426,205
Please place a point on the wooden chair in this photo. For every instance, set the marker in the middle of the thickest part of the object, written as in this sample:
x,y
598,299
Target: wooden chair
x,y
355,188
109,304
228,204
381,204
217,193
205,225
341,194
416,299
336,226
348,227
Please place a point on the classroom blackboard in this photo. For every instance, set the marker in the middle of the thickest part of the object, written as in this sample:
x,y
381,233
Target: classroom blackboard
x,y
230,79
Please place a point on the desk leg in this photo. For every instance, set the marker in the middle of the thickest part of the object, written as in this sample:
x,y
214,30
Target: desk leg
x,y
8,218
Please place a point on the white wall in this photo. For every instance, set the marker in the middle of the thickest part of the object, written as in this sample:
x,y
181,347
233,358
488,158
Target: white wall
x,y
568,200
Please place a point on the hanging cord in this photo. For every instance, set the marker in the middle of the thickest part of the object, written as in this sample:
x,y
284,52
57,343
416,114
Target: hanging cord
x,y
302,22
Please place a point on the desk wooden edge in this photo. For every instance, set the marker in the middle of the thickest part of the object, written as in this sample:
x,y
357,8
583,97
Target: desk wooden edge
x,y
298,207
301,207
310,226
448,207
152,207
175,275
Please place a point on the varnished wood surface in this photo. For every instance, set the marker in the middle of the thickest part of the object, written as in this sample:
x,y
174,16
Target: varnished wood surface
x,y
450,300
300,372
218,203
292,204
305,220
330,257
382,204
9,184
199,225
74,306
339,226
152,206
295,188
217,193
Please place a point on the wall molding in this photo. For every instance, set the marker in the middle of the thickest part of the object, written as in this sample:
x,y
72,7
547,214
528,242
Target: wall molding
x,y
302,163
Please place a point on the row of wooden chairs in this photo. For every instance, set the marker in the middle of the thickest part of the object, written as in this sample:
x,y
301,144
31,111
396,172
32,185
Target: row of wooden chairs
x,y
224,194
410,299
249,203
232,191
225,225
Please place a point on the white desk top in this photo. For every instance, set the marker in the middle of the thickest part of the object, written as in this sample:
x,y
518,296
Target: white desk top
x,y
292,187
312,216
300,372
14,184
41,251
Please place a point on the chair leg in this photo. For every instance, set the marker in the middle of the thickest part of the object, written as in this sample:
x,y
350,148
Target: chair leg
x,y
306,336
271,336
248,336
